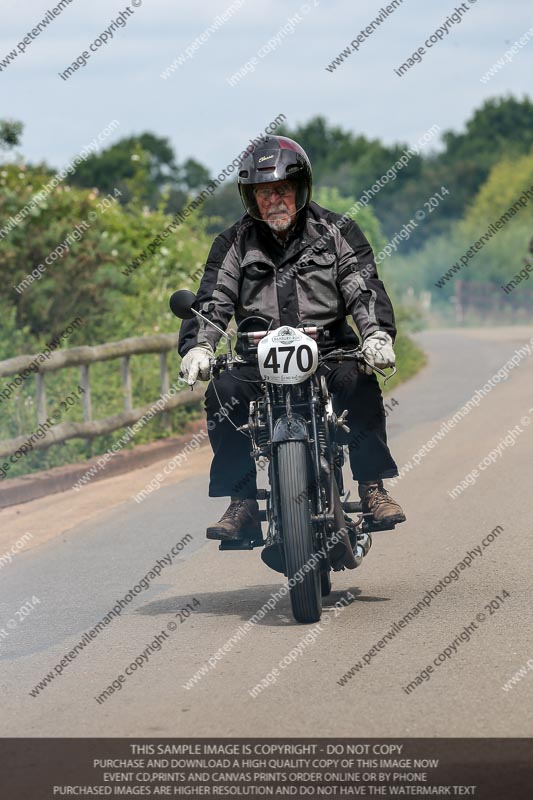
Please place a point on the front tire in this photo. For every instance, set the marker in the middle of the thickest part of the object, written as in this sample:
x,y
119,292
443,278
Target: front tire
x,y
297,530
325,582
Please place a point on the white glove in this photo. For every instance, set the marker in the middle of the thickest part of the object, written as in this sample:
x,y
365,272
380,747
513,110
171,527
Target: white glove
x,y
197,363
377,349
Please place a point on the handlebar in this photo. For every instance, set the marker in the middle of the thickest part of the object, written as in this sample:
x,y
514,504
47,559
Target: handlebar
x,y
252,338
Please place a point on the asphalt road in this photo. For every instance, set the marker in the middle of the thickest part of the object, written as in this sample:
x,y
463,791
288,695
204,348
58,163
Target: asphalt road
x,y
78,576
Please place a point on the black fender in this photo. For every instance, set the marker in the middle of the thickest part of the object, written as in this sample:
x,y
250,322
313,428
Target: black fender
x,y
290,430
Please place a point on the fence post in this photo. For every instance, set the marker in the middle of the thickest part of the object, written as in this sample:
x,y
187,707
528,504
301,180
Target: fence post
x,y
165,384
126,383
86,399
82,358
41,398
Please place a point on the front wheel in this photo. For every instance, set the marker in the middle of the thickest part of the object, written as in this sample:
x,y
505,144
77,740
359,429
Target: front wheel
x,y
303,566
325,582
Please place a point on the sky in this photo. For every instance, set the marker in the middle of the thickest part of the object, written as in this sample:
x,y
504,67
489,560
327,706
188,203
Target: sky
x,y
205,117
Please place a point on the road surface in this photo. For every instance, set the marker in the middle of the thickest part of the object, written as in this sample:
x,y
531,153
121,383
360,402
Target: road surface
x,y
90,548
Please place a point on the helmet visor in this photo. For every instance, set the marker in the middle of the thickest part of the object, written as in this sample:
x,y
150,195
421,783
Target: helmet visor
x,y
269,198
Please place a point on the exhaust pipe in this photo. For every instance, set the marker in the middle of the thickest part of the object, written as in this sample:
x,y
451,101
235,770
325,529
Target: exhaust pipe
x,y
364,541
349,559
358,556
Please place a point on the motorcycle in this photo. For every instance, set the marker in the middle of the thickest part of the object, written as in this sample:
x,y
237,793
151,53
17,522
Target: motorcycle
x,y
294,427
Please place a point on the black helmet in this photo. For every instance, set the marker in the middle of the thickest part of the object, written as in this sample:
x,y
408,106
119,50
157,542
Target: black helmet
x,y
276,158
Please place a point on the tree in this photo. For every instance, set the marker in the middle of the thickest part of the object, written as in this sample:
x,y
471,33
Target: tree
x,y
366,219
502,126
194,175
505,184
328,147
223,208
75,244
10,133
353,164
502,256
140,166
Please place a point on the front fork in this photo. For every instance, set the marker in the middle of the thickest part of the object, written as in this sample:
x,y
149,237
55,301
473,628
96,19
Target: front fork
x,y
326,480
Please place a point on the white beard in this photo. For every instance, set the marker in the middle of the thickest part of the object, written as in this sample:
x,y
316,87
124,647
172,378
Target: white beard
x,y
281,224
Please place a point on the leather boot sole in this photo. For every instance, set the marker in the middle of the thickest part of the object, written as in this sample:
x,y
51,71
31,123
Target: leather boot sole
x,y
385,524
395,519
221,534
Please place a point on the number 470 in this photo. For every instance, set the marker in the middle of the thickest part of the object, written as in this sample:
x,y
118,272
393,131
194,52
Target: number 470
x,y
271,360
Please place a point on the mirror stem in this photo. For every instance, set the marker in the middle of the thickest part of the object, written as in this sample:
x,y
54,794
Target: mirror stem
x,y
224,334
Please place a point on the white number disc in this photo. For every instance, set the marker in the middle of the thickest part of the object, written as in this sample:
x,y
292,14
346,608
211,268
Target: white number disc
x,y
287,355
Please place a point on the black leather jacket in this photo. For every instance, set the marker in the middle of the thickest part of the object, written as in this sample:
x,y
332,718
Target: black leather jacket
x,y
324,271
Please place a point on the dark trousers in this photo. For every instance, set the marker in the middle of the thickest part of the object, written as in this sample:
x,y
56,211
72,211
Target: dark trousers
x,y
233,471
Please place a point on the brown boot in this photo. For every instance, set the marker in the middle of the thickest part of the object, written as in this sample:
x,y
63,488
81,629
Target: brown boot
x,y
377,501
239,521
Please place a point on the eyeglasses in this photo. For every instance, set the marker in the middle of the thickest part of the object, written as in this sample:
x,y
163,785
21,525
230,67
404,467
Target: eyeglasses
x,y
282,191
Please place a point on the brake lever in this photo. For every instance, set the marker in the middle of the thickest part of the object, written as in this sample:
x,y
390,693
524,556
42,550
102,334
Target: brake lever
x,y
347,354
394,371
375,369
382,372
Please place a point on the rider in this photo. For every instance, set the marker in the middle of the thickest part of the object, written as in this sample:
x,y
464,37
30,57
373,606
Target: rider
x,y
291,261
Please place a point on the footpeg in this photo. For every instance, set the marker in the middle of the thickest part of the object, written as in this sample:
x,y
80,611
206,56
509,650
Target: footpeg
x,y
371,527
352,507
241,544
